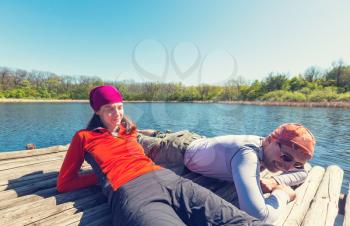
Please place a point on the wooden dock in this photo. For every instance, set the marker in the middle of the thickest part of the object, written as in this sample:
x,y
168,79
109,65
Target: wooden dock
x,y
28,195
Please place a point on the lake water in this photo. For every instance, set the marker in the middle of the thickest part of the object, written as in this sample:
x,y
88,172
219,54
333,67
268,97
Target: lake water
x,y
53,124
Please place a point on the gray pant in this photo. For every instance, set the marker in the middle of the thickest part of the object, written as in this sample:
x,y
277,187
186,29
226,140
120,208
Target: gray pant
x,y
162,198
167,149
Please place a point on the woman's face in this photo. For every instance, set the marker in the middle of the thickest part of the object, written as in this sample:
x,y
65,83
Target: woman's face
x,y
111,115
279,157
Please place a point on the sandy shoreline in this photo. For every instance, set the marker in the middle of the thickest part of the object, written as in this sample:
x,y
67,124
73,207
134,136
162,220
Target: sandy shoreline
x,y
260,103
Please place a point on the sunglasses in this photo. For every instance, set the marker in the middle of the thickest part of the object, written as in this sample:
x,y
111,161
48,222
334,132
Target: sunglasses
x,y
287,158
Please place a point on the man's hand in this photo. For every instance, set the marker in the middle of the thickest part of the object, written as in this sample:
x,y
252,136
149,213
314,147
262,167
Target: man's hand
x,y
268,184
290,192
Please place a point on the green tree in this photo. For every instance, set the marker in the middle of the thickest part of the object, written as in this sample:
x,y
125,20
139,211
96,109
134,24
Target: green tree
x,y
312,73
275,82
296,83
336,72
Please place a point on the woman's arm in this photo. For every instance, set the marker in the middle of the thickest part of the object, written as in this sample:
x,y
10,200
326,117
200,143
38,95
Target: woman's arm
x,y
246,176
69,178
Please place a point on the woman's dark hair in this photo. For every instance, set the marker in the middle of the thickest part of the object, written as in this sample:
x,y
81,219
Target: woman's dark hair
x,y
96,122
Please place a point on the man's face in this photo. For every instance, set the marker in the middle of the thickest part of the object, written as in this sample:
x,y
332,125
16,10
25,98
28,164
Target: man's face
x,y
279,157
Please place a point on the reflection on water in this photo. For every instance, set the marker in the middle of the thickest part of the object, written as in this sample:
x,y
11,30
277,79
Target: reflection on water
x,y
52,124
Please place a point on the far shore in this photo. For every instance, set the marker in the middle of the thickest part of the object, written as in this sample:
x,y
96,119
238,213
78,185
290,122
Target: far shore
x,y
14,100
261,103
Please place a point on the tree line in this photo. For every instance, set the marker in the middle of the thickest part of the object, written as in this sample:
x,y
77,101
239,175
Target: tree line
x,y
314,84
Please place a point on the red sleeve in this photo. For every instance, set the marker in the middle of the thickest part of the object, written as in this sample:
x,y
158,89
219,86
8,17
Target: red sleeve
x,y
69,178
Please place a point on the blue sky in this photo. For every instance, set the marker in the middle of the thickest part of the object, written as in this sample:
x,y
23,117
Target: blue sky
x,y
187,41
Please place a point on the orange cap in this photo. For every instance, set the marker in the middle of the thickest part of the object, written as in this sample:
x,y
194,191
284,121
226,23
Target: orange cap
x,y
295,136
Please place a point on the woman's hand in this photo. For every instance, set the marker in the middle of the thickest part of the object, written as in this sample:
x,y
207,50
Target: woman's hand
x,y
268,184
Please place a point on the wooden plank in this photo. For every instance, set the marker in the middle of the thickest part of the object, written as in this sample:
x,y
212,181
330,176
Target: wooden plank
x,y
35,157
296,210
228,192
324,209
32,168
33,180
14,163
37,174
76,205
70,216
206,182
12,166
35,211
53,200
34,152
26,179
27,189
29,170
42,194
347,209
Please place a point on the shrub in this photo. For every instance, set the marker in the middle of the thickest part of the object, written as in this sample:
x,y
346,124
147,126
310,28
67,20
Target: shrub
x,y
305,90
293,97
282,95
327,94
343,97
15,93
273,96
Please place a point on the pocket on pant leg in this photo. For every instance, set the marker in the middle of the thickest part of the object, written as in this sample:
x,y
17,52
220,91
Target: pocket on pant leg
x,y
173,147
177,145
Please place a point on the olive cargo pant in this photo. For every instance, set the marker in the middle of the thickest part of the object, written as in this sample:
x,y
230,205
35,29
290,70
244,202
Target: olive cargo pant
x,y
169,148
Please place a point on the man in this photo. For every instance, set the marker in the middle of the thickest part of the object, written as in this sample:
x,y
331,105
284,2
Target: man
x,y
240,158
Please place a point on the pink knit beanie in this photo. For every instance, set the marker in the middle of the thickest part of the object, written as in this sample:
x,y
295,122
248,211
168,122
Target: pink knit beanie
x,y
102,95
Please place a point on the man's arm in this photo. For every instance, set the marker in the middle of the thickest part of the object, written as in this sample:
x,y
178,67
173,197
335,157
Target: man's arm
x,y
293,177
246,176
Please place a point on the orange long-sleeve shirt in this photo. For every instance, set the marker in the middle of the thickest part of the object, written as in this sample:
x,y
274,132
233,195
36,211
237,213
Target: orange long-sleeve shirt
x,y
120,158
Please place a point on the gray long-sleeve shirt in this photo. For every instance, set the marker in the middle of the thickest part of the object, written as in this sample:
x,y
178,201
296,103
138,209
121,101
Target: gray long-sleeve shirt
x,y
237,158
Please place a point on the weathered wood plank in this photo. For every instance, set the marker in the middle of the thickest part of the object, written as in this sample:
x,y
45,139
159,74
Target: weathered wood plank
x,y
26,179
35,157
34,152
27,189
38,173
42,194
14,163
296,210
347,209
24,170
324,209
228,192
33,180
76,205
71,216
32,212
39,168
14,166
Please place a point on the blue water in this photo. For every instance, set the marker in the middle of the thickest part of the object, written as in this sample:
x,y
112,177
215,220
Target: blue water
x,y
53,124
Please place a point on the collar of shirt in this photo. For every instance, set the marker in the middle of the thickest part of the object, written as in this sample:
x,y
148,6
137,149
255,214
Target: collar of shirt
x,y
103,130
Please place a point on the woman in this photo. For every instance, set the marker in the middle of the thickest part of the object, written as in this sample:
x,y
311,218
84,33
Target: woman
x,y
240,158
139,191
